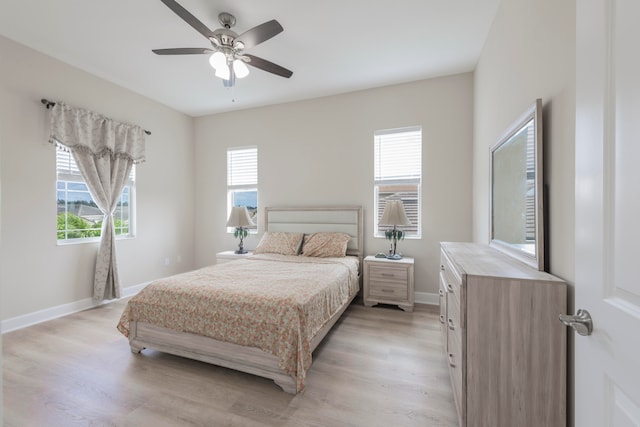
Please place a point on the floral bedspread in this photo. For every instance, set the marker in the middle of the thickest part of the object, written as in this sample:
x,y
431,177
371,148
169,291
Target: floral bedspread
x,y
274,302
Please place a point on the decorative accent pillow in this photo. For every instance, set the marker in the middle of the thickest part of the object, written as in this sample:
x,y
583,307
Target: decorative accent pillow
x,y
279,242
325,244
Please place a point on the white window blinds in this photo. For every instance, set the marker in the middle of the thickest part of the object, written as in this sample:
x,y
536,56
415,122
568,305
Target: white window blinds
x,y
398,155
242,168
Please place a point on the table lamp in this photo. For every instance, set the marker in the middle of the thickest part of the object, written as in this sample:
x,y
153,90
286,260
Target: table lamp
x,y
240,219
394,215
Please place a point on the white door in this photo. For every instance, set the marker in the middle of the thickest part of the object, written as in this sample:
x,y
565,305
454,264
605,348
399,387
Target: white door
x,y
607,275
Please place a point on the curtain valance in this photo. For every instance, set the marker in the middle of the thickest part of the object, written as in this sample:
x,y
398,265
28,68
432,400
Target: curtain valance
x,y
80,129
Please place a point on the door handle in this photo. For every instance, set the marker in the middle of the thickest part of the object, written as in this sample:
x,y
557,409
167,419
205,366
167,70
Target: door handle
x,y
581,322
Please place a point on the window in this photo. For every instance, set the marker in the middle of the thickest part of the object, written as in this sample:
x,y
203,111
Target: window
x,y
398,175
79,218
242,180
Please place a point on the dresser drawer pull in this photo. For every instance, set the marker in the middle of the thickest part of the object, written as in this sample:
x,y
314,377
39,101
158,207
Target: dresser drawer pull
x,y
442,319
453,365
441,293
449,287
387,274
387,290
451,325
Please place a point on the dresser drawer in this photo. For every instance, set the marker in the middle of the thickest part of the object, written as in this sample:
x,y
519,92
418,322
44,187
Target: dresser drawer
x,y
452,279
388,290
454,326
456,362
442,297
388,274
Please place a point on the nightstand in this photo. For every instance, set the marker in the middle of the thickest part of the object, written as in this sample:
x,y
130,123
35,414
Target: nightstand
x,y
389,282
228,256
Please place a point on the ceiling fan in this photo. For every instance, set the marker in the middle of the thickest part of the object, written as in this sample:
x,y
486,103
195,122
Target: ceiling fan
x,y
227,52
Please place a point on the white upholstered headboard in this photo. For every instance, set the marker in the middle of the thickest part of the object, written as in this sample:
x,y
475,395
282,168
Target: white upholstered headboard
x,y
311,219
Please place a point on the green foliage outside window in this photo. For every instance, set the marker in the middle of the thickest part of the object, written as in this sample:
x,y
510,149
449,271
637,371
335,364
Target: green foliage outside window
x,y
76,227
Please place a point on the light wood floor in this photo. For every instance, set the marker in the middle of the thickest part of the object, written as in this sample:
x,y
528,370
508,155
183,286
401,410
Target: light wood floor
x,y
378,367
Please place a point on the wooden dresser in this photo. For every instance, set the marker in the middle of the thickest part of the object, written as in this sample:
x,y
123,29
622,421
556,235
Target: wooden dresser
x,y
505,345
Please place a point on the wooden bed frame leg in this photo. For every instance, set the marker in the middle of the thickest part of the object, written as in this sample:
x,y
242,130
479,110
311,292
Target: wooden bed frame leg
x,y
288,386
136,349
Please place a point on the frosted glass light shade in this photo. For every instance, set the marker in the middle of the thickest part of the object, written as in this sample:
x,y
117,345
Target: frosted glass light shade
x,y
240,68
218,60
223,72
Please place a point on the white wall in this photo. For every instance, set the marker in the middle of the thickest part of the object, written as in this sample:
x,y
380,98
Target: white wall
x,y
37,274
320,152
529,54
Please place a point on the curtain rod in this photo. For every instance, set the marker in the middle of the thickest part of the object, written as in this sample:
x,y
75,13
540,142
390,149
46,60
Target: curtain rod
x,y
48,104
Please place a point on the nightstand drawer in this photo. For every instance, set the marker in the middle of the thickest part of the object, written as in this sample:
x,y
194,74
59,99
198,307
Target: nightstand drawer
x,y
388,290
388,274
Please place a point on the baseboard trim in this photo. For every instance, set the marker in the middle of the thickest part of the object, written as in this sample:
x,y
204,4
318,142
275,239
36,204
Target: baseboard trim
x,y
29,319
426,298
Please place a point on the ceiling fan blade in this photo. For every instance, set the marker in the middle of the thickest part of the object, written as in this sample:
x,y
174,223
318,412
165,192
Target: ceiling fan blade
x,y
183,51
268,66
189,18
260,33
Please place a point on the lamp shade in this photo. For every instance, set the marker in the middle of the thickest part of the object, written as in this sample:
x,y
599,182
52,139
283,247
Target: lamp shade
x,y
239,217
394,214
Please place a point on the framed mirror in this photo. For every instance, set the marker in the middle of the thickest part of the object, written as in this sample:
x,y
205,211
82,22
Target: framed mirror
x,y
517,202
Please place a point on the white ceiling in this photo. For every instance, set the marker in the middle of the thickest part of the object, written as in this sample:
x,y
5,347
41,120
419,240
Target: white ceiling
x,y
332,46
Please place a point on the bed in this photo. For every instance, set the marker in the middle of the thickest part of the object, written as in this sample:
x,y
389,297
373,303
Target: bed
x,y
264,314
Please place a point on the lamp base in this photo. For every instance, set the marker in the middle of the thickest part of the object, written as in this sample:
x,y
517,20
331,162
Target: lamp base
x,y
394,257
240,251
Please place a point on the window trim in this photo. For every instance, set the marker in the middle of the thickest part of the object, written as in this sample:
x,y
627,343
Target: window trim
x,y
78,178
232,188
377,182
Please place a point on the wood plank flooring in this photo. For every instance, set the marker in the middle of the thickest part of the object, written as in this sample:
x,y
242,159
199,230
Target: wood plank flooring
x,y
378,367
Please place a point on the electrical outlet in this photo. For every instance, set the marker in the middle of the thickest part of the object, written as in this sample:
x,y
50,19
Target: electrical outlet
x,y
167,261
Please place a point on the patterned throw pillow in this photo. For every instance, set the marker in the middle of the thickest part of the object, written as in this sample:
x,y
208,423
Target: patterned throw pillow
x,y
325,244
279,242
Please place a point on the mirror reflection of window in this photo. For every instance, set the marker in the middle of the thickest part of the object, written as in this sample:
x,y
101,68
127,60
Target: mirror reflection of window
x,y
517,202
514,190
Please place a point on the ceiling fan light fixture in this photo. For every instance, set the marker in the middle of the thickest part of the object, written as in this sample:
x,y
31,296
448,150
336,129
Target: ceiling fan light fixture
x,y
240,69
227,57
218,60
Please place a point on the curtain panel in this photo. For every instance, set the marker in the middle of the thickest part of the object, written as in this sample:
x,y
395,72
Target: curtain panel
x,y
104,150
